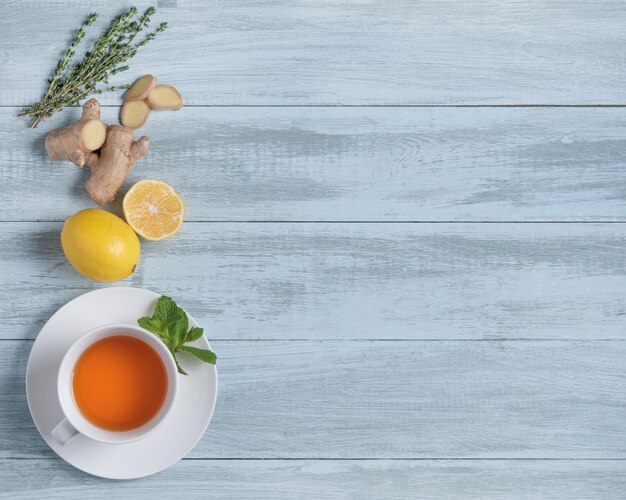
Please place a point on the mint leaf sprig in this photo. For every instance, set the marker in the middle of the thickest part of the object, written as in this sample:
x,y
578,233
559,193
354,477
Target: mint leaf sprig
x,y
170,323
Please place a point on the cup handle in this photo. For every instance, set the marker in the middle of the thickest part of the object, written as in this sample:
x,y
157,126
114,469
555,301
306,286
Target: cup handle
x,y
63,432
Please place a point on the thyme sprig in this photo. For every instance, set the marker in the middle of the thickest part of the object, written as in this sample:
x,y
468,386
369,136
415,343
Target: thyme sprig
x,y
107,57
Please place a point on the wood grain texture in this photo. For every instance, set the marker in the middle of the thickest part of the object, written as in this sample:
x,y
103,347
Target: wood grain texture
x,y
376,399
310,479
336,52
447,360
329,164
350,281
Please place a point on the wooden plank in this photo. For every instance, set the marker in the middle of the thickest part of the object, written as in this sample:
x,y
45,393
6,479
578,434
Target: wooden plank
x,y
344,53
377,399
350,281
329,164
311,479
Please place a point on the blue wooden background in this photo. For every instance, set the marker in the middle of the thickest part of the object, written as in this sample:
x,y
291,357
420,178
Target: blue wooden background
x,y
405,238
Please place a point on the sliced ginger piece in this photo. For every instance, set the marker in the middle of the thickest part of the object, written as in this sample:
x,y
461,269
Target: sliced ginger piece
x,y
93,135
134,114
164,97
140,89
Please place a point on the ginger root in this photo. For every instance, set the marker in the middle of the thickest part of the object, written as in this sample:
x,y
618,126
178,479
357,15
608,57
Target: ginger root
x,y
76,141
140,89
134,114
109,169
164,97
118,150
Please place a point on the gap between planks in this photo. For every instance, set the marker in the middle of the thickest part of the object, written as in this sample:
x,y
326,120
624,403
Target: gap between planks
x,y
359,459
497,339
323,222
538,105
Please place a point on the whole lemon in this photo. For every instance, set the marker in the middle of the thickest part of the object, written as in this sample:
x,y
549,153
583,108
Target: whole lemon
x,y
100,245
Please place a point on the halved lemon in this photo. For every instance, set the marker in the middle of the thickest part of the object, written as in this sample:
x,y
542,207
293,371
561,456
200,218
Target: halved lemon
x,y
153,209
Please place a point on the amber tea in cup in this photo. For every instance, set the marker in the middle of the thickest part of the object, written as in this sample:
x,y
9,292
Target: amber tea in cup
x,y
119,383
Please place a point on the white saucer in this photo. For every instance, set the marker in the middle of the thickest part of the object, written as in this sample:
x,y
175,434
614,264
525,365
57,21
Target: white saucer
x,y
183,426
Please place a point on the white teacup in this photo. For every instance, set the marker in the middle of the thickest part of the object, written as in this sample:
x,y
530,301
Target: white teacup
x,y
75,423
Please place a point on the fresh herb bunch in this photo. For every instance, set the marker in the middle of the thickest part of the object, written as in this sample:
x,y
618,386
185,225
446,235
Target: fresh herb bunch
x,y
70,83
171,325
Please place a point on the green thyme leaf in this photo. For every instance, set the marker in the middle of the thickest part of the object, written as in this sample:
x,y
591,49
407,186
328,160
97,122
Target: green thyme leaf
x,y
73,81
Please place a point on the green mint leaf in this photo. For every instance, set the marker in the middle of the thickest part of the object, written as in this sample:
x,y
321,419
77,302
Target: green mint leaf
x,y
178,331
171,324
194,334
202,354
180,370
166,310
147,323
153,325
